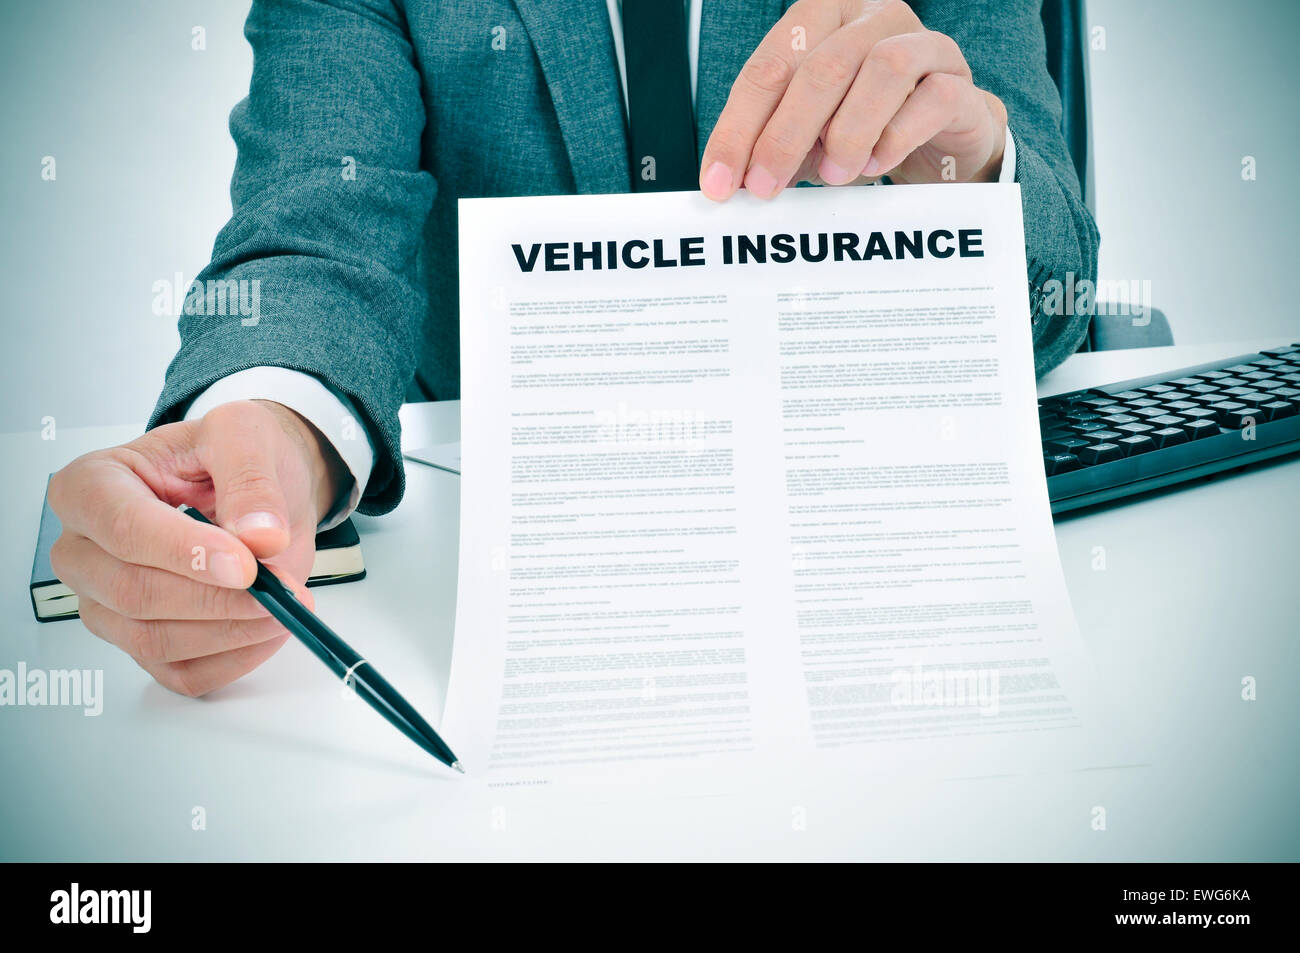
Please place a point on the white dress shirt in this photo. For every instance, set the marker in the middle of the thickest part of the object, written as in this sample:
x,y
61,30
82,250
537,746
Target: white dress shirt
x,y
331,412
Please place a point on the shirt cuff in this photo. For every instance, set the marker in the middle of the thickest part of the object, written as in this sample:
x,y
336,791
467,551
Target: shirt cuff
x,y
328,411
1008,173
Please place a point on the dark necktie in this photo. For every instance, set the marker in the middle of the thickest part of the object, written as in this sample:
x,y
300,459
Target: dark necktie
x,y
661,134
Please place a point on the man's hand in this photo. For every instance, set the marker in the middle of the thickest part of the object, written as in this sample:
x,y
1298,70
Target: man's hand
x,y
845,91
167,589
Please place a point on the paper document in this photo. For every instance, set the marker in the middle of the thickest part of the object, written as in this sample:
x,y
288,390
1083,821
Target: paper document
x,y
754,488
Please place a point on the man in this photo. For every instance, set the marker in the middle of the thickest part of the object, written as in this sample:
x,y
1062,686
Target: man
x,y
366,119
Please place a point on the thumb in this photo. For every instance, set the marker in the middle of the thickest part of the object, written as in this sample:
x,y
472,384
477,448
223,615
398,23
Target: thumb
x,y
238,445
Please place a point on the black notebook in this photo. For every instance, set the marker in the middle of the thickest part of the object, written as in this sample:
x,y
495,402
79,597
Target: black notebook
x,y
338,559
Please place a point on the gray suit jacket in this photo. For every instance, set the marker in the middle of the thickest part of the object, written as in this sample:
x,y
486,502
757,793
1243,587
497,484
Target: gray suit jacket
x,y
358,276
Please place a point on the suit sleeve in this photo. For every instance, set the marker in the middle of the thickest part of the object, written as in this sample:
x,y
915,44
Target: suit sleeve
x,y
1004,44
329,206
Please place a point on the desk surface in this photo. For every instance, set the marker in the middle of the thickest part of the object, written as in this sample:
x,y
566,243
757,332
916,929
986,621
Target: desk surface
x,y
1196,594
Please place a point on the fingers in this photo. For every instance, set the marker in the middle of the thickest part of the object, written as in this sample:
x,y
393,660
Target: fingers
x,y
239,444
941,101
200,676
165,588
889,75
104,499
173,640
814,93
754,96
144,592
849,106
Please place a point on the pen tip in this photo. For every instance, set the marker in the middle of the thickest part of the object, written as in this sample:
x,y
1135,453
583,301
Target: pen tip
x,y
456,765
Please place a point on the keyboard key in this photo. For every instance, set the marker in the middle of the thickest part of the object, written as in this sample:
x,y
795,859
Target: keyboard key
x,y
1265,362
1213,375
1068,445
1171,396
1104,436
1237,393
1060,463
1260,375
1186,382
1168,437
1238,419
1087,427
1101,453
1139,443
1203,389
1181,405
1148,412
1257,406
1166,420
1224,408
1229,382
1080,416
1079,396
1253,399
1202,413
1120,419
1129,395
1061,434
1260,411
1279,409
1134,429
1279,351
1097,403
1154,389
1239,369
1270,385
1196,429
1143,402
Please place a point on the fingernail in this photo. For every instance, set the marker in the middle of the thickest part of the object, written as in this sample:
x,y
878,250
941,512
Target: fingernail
x,y
872,167
761,182
251,522
833,174
226,570
716,183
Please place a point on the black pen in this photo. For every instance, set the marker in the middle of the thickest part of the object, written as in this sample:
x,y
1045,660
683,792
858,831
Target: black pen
x,y
342,660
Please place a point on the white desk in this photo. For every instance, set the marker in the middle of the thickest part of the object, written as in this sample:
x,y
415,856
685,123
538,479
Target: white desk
x,y
1198,591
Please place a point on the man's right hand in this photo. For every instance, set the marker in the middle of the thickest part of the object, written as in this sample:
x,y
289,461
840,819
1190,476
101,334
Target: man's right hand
x,y
169,590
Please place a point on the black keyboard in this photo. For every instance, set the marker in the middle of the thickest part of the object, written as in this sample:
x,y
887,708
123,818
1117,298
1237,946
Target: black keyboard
x,y
1105,443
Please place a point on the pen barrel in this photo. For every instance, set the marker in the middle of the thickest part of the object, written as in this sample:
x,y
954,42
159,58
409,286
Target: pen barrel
x,y
342,659
383,698
285,616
